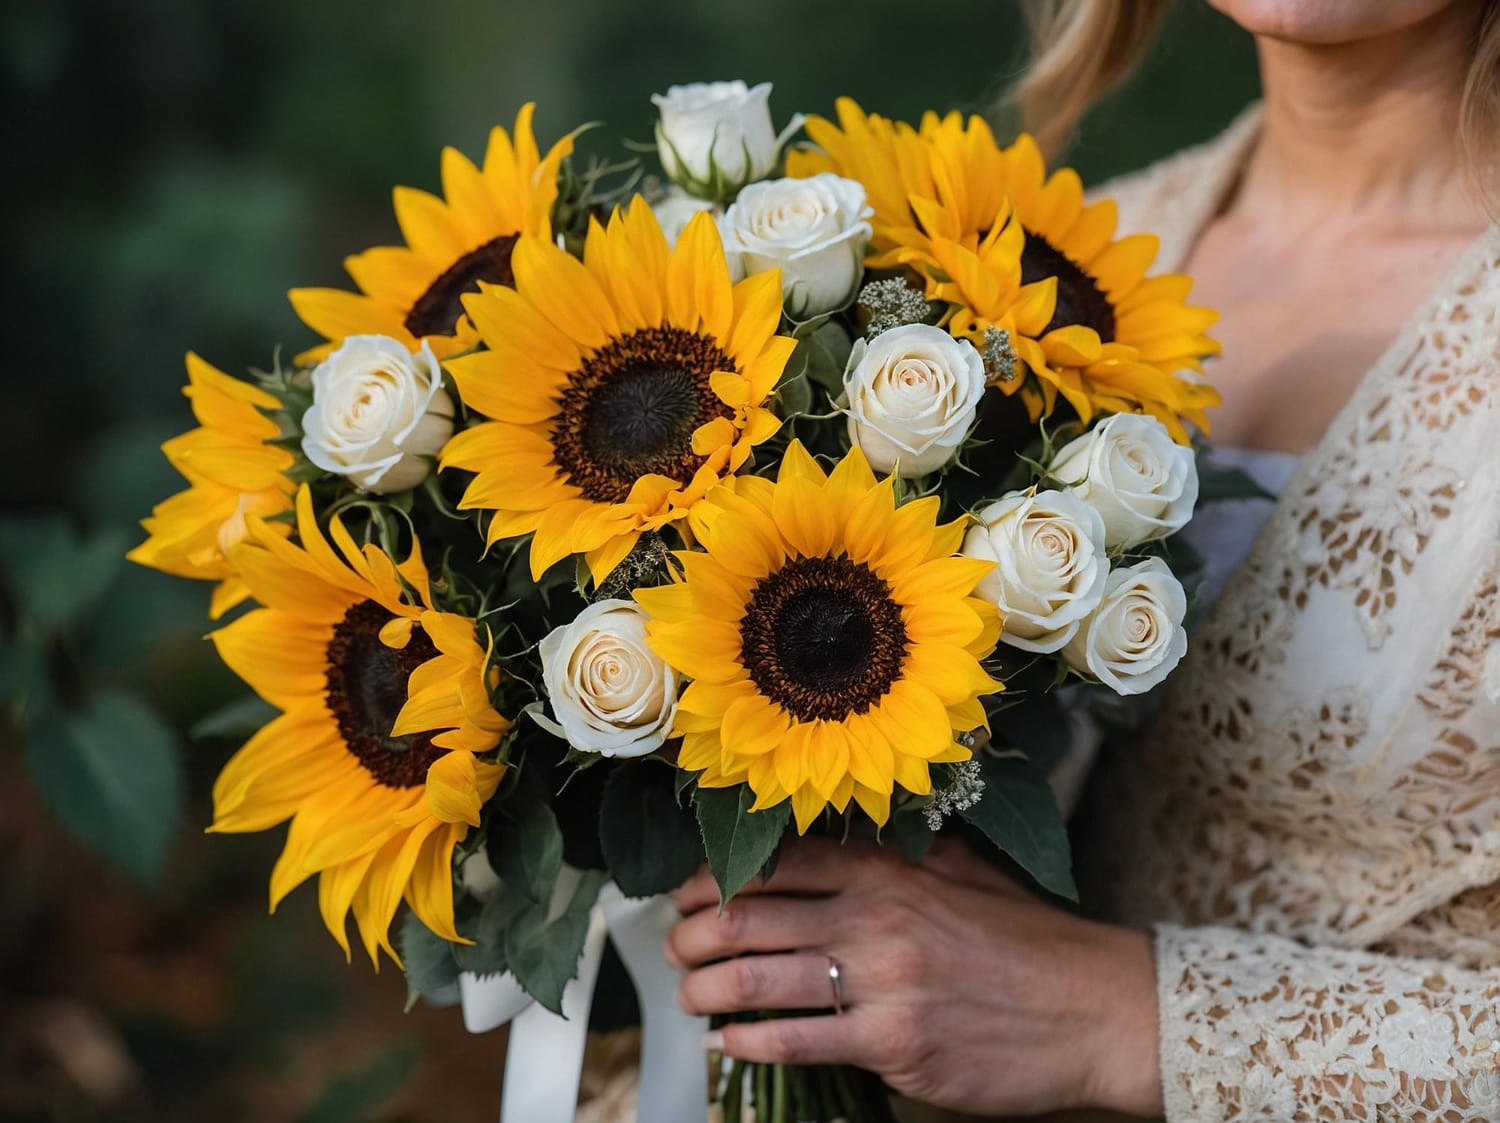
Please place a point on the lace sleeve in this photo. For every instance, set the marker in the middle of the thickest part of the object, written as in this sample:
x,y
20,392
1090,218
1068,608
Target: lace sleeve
x,y
1260,1027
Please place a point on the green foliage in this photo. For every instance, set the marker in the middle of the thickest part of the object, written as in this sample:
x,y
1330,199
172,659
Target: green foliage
x,y
111,774
526,847
106,764
431,969
52,575
739,842
543,954
1019,814
235,721
650,842
909,832
1218,482
823,349
357,1097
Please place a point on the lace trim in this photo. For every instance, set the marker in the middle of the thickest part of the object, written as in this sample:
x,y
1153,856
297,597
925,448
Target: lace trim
x,y
1257,1027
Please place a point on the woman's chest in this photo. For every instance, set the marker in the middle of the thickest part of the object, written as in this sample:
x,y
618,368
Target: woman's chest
x,y
1302,324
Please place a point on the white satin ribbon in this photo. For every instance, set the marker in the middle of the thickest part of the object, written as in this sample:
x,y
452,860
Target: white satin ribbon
x,y
545,1061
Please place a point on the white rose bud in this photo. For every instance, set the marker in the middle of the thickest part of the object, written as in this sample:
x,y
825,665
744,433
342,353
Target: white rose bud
x,y
1050,566
676,210
913,392
814,230
610,692
379,414
1134,474
715,137
1135,637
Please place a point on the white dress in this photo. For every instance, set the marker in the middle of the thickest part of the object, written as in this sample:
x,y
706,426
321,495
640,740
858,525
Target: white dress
x,y
1312,826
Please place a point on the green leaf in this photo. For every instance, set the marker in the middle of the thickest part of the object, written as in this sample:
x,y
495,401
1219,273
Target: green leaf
x,y
525,845
235,721
1018,813
431,970
738,842
355,1099
25,683
486,955
824,353
54,575
1217,482
650,843
1035,724
111,773
908,831
543,956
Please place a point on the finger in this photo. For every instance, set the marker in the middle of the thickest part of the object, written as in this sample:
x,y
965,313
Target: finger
x,y
754,924
759,982
954,859
829,1039
806,865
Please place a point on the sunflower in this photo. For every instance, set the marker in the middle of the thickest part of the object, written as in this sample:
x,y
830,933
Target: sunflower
x,y
832,637
620,388
234,474
385,704
413,292
1009,248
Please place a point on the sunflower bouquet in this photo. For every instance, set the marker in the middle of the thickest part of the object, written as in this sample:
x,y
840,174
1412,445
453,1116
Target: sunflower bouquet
x,y
620,525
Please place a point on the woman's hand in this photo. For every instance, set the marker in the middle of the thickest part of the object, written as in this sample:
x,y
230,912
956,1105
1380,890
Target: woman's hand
x,y
958,988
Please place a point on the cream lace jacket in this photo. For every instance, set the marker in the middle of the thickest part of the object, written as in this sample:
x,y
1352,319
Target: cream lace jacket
x,y
1313,826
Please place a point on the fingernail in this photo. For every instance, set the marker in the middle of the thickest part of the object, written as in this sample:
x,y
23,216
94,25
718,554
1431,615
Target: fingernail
x,y
713,1041
671,957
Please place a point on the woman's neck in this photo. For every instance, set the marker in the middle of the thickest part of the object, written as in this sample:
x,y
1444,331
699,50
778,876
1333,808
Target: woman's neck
x,y
1364,131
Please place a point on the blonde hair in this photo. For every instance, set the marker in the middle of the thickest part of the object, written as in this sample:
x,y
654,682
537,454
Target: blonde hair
x,y
1084,49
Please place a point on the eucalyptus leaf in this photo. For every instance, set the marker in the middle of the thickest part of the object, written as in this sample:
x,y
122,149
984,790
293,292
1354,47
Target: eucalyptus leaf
x,y
1019,814
543,956
650,843
739,842
824,353
112,775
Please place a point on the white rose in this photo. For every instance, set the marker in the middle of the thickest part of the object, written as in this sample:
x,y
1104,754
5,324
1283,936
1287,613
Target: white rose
x,y
1050,565
610,692
715,137
676,210
913,392
1135,638
814,230
1134,474
379,414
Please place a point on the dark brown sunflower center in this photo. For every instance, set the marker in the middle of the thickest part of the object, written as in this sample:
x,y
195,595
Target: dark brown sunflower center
x,y
823,637
437,310
631,409
366,688
1080,300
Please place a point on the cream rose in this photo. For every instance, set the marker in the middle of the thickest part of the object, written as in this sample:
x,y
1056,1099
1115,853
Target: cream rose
x,y
715,137
814,230
1135,637
1134,474
610,692
379,414
676,209
913,392
1050,567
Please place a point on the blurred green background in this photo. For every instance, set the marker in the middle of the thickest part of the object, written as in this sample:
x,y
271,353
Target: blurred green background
x,y
175,167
